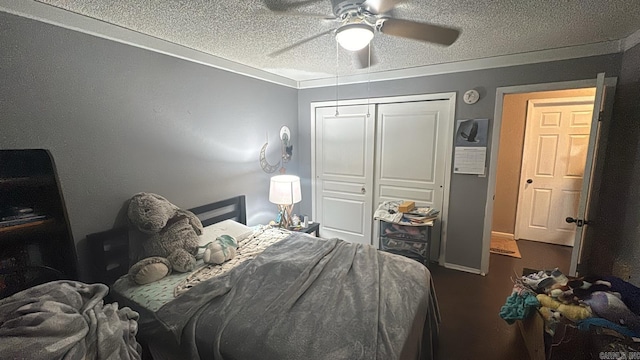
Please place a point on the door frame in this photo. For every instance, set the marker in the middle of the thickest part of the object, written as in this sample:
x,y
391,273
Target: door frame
x,y
450,96
527,130
495,142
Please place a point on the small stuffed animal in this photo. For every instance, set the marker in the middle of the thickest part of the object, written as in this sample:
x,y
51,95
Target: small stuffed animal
x,y
572,312
551,319
610,307
172,240
220,250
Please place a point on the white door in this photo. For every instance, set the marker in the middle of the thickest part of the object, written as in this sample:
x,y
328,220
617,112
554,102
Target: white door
x,y
553,166
344,172
602,109
410,155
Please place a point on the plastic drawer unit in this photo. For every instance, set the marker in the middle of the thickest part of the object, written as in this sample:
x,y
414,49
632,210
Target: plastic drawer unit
x,y
412,241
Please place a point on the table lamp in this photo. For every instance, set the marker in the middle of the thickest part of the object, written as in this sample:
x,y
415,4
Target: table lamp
x,y
284,192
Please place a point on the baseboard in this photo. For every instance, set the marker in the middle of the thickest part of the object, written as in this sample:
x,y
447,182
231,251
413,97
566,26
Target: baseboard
x,y
502,235
462,268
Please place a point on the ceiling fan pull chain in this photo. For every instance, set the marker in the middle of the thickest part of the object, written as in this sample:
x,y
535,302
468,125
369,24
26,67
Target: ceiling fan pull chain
x,y
369,82
337,49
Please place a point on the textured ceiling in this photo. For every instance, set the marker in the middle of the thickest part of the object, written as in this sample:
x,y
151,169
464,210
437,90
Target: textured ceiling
x,y
245,31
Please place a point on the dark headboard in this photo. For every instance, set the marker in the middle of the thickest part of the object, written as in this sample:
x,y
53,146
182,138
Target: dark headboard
x,y
234,208
109,250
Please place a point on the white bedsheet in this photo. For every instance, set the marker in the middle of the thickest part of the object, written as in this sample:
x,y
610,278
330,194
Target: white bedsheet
x,y
154,295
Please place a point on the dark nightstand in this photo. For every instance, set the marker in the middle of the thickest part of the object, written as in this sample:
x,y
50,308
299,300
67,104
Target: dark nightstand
x,y
312,228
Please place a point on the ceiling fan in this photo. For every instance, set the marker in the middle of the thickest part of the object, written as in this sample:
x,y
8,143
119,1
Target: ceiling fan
x,y
359,20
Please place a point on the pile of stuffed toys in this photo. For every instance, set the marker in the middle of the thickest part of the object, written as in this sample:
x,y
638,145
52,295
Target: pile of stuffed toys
x,y
605,301
170,239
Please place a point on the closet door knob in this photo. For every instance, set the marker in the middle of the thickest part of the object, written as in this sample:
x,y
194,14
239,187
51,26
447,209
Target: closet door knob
x,y
363,190
529,181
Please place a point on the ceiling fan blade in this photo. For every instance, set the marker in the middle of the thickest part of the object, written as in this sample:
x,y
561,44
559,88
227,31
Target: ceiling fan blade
x,y
380,6
301,14
362,57
282,5
301,42
420,31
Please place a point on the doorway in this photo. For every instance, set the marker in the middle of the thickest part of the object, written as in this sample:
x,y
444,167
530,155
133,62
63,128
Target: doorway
x,y
554,156
540,164
604,90
510,181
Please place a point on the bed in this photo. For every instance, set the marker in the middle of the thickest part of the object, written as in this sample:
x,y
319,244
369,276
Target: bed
x,y
287,295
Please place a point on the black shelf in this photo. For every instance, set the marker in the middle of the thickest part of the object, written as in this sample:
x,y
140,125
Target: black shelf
x,y
24,226
38,247
310,229
40,180
30,232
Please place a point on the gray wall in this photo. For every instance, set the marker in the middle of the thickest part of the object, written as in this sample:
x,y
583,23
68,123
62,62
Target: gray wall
x,y
616,230
468,192
120,120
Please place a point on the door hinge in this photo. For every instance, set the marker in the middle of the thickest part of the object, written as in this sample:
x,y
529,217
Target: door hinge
x,y
601,116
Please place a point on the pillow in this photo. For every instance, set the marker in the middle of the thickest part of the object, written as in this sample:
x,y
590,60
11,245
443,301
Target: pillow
x,y
227,227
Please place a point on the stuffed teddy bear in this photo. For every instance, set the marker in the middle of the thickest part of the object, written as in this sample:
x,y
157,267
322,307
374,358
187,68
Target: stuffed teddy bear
x,y
172,240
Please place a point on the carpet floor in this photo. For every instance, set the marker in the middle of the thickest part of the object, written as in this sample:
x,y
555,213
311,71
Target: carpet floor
x,y
505,246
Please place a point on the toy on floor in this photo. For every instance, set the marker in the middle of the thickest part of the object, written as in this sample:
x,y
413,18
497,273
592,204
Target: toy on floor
x,y
551,319
610,307
571,312
542,281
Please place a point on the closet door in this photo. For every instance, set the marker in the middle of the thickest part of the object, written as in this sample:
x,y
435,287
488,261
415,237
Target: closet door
x,y
410,155
344,172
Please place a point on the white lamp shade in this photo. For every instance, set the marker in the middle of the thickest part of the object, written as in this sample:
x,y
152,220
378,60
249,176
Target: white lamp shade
x,y
285,190
354,37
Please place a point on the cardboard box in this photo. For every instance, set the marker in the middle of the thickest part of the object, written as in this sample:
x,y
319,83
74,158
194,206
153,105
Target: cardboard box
x,y
406,206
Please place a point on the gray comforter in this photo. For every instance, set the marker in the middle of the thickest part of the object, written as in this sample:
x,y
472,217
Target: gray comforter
x,y
304,298
66,320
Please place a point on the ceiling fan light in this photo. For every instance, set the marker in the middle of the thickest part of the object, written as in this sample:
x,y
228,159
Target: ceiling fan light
x,y
354,37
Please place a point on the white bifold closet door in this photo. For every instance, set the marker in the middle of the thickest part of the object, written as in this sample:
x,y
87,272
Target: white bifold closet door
x,y
344,172
410,155
398,152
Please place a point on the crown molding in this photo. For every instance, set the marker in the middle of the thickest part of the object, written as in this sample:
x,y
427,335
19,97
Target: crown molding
x,y
70,20
631,40
565,53
84,24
